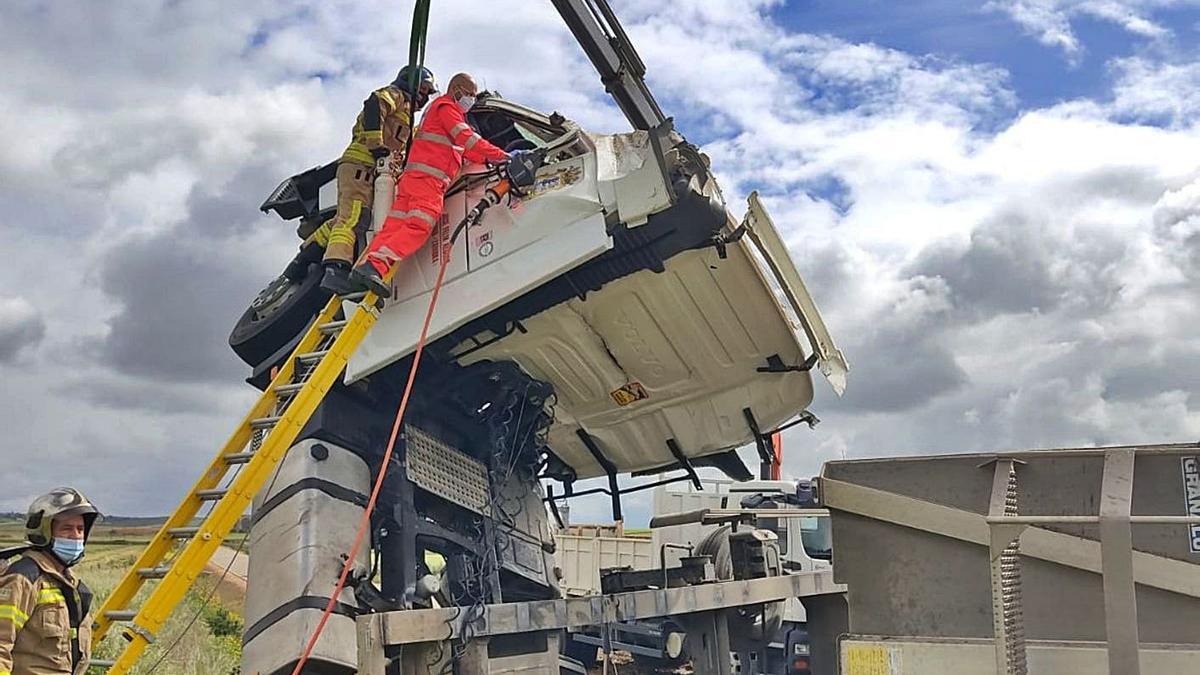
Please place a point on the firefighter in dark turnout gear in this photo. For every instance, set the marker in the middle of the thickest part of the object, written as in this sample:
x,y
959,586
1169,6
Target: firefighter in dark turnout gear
x,y
443,142
45,610
382,129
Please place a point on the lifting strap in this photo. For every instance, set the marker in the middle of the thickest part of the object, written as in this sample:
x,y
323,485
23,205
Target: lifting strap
x,y
416,57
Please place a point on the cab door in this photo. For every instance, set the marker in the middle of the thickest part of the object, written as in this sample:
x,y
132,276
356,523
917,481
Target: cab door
x,y
765,237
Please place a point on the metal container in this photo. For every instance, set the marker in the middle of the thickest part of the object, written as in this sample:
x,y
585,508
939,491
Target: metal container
x,y
304,521
582,557
1083,557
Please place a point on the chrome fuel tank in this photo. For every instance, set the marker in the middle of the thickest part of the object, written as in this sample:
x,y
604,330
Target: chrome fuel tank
x,y
302,525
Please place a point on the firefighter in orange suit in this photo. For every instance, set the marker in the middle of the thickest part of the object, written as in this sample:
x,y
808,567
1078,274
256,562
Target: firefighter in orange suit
x,y
443,142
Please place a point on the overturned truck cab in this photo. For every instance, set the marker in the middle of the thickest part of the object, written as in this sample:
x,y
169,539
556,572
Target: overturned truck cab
x,y
615,319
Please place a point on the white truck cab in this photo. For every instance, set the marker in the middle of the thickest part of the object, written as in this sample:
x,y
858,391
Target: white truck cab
x,y
804,534
805,541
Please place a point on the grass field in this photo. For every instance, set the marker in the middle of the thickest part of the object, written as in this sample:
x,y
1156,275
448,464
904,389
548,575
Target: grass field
x,y
203,638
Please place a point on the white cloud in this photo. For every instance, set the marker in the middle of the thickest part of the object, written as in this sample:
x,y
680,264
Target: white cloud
x,y
1148,90
21,327
1053,274
1045,19
1050,20
998,278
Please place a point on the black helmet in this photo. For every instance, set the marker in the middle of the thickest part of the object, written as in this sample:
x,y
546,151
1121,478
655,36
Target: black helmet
x,y
426,85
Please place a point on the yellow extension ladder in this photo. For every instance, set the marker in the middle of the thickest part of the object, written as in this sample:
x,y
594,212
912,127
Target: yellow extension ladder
x,y
183,547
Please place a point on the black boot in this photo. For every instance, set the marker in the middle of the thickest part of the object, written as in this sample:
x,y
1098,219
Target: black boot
x,y
337,277
364,277
297,269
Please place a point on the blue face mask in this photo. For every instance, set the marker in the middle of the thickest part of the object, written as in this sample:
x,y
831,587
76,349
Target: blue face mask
x,y
68,550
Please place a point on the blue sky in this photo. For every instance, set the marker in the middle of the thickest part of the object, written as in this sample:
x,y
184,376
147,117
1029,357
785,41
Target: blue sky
x,y
1040,74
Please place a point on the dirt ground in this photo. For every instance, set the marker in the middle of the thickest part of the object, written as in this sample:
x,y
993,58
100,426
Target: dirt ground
x,y
230,567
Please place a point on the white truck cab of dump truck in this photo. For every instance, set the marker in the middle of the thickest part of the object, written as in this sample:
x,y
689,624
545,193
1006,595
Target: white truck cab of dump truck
x,y
687,521
804,540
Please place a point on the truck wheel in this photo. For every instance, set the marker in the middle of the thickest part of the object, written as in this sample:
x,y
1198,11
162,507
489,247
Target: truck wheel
x,y
754,626
280,311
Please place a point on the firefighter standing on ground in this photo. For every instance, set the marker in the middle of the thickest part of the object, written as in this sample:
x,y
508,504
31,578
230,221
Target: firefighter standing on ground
x,y
442,144
45,610
382,128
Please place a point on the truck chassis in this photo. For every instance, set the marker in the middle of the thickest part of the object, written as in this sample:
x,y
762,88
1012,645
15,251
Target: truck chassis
x,y
427,637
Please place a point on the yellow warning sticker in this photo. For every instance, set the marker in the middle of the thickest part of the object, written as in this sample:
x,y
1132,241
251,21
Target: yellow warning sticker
x,y
867,660
630,393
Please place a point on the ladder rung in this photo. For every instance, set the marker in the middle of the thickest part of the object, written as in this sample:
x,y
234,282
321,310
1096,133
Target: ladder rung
x,y
289,389
99,663
238,457
120,614
264,422
153,572
183,532
312,357
332,327
211,495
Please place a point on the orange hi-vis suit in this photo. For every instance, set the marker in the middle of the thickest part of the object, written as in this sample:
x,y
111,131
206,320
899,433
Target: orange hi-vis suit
x,y
442,144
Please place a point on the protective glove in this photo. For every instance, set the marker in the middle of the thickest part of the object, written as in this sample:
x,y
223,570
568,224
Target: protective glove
x,y
380,152
523,166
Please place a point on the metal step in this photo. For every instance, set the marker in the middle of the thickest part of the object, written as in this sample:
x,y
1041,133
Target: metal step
x,y
153,572
332,327
312,357
100,663
289,389
265,422
121,615
211,495
239,457
182,532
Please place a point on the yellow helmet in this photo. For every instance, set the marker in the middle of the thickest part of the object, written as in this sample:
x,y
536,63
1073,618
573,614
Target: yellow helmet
x,y
63,501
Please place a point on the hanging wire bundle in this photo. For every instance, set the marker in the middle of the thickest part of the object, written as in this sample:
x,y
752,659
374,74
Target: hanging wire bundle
x,y
518,427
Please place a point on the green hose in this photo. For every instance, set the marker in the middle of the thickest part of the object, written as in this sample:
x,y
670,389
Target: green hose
x,y
416,43
416,57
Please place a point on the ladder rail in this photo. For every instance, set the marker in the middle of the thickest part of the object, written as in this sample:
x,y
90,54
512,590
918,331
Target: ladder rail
x,y
226,512
200,548
163,543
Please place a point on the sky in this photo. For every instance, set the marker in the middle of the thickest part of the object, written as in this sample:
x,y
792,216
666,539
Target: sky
x,y
995,204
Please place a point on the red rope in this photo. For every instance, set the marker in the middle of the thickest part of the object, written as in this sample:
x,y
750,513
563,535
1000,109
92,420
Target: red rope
x,y
365,523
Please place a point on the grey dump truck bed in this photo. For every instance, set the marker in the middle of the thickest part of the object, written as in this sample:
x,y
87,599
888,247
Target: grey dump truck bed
x,y
1063,561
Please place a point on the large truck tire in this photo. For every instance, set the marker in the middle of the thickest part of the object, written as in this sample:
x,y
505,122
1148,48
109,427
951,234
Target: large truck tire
x,y
753,626
281,311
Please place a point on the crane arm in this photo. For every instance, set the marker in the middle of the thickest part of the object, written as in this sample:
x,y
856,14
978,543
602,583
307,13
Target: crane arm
x,y
622,72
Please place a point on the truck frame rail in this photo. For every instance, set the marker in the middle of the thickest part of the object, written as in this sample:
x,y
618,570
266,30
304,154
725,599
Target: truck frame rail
x,y
433,631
